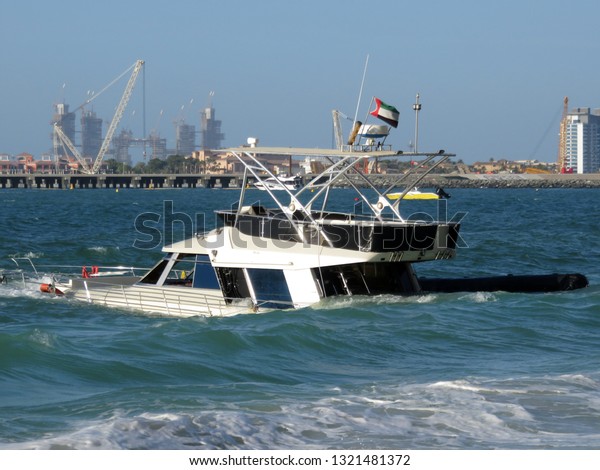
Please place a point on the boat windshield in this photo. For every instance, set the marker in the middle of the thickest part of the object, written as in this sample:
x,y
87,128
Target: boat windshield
x,y
185,270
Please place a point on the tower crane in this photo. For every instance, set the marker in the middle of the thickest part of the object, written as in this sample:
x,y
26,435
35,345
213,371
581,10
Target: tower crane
x,y
562,145
137,66
118,115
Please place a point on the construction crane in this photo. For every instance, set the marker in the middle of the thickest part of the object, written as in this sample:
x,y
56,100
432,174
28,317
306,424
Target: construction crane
x,y
562,145
137,67
118,115
60,135
337,128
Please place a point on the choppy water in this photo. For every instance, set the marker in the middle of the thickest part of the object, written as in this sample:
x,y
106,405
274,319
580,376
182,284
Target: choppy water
x,y
465,371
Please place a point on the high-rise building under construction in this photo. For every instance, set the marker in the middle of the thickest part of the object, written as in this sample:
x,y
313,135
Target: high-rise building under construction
x,y
580,141
91,134
185,139
212,137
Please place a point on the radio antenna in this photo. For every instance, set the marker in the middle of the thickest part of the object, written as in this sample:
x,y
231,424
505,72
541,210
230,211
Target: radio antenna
x,y
361,88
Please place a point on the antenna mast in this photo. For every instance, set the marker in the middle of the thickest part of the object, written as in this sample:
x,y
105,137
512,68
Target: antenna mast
x,y
362,84
417,108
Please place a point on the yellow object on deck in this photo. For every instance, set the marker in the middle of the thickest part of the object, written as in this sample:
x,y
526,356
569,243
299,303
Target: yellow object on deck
x,y
413,195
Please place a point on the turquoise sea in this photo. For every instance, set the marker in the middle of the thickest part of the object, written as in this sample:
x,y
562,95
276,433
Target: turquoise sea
x,y
444,371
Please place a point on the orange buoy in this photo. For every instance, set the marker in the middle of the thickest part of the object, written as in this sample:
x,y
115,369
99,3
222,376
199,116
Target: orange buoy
x,y
46,288
50,289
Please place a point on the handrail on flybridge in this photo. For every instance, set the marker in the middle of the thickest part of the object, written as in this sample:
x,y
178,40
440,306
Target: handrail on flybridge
x,y
288,210
342,165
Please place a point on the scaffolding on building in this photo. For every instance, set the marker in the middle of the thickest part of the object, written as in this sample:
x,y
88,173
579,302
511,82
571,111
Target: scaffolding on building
x,y
212,137
91,134
125,140
562,145
185,138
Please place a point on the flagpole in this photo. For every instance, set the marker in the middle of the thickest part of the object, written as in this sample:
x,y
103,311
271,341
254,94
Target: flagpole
x,y
368,111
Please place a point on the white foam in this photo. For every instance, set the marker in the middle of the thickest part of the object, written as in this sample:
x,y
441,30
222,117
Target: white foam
x,y
99,249
103,249
19,289
461,413
458,385
343,302
581,380
480,297
30,254
426,299
42,337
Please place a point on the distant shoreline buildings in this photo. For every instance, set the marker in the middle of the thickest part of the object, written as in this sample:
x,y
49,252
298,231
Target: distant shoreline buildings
x,y
153,145
60,159
579,148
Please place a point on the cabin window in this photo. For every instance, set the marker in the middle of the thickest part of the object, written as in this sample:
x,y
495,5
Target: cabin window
x,y
187,270
270,288
233,283
153,275
182,271
204,274
366,279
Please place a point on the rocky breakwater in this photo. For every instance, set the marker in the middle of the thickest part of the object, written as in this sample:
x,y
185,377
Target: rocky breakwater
x,y
472,180
515,181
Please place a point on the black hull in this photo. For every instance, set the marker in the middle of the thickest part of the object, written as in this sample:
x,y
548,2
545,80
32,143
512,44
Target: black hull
x,y
510,283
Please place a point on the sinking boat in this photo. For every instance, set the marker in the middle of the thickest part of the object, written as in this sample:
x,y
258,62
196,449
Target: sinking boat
x,y
295,250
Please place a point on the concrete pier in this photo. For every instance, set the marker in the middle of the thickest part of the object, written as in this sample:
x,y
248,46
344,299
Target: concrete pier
x,y
112,181
225,181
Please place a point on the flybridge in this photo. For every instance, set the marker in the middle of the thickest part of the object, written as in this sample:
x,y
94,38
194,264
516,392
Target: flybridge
x,y
340,165
304,216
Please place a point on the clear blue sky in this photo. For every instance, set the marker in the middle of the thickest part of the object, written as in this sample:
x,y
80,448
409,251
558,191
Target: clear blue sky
x,y
491,75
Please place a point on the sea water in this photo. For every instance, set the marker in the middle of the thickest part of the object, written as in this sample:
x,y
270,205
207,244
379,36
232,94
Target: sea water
x,y
435,371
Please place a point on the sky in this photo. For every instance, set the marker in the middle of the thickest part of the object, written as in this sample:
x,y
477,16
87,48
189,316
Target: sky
x,y
491,75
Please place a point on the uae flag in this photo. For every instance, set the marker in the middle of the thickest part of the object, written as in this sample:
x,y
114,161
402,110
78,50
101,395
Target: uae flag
x,y
386,113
